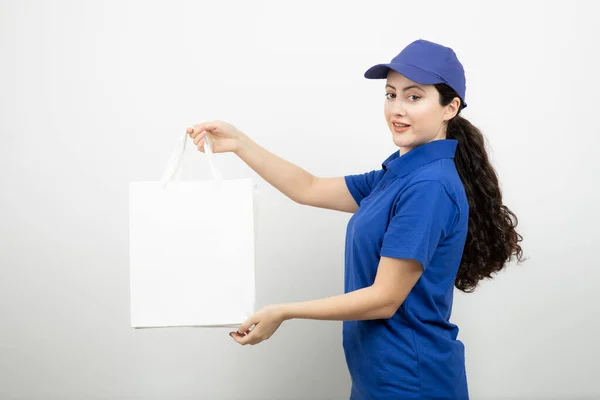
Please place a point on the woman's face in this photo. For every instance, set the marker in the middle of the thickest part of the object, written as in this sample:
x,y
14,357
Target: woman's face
x,y
418,106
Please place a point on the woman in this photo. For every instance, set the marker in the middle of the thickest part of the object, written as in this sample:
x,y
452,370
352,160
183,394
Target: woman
x,y
430,219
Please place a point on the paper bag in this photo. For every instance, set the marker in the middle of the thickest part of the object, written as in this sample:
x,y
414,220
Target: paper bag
x,y
191,249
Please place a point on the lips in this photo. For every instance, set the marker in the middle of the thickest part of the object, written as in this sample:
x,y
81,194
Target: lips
x,y
400,129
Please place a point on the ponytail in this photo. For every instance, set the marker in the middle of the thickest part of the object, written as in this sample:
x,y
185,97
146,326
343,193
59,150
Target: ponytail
x,y
491,239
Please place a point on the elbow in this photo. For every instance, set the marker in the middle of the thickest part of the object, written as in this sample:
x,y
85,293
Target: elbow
x,y
389,311
305,195
388,301
389,307
299,200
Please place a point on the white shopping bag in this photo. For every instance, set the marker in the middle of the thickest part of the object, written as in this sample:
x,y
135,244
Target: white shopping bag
x,y
191,249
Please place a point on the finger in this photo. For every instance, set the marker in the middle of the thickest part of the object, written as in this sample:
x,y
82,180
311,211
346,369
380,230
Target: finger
x,y
193,132
243,339
251,338
201,146
237,334
248,323
200,136
205,126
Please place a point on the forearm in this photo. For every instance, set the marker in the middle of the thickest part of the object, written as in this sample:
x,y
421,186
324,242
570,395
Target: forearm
x,y
363,304
286,177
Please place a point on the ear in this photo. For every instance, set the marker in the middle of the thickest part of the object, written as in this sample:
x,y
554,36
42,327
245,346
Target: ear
x,y
452,109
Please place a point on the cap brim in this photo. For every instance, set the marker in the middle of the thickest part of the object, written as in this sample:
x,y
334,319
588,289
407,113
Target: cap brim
x,y
415,74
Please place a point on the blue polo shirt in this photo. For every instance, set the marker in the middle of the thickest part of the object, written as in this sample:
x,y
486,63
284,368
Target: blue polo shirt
x,y
415,206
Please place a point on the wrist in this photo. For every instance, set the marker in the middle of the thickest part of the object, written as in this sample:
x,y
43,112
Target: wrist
x,y
241,143
284,312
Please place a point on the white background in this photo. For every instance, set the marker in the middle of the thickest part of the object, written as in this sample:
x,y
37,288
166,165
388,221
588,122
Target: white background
x,y
94,95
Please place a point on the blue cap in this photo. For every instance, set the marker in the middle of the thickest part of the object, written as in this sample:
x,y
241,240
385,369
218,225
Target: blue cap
x,y
426,63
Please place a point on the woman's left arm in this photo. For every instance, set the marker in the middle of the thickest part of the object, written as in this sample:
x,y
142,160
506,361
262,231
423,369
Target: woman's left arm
x,y
394,280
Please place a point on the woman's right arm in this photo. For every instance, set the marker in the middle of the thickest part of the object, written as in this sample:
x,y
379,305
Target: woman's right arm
x,y
294,182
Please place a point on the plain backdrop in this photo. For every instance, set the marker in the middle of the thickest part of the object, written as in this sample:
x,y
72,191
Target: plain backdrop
x,y
94,95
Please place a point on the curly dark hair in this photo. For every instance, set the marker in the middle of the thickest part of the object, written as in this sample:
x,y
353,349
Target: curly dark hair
x,y
491,239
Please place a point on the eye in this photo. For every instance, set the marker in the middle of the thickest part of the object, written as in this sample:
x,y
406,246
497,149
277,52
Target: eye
x,y
416,98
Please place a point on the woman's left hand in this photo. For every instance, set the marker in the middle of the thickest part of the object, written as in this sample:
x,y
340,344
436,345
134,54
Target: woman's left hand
x,y
266,322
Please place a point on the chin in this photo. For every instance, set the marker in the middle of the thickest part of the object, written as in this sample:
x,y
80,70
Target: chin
x,y
403,141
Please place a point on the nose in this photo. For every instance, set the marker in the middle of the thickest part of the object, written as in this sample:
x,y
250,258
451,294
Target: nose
x,y
398,109
398,115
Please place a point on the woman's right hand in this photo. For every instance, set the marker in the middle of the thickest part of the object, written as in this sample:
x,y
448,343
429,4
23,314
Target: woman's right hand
x,y
223,137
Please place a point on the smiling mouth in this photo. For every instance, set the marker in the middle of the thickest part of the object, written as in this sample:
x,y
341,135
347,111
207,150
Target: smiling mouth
x,y
400,128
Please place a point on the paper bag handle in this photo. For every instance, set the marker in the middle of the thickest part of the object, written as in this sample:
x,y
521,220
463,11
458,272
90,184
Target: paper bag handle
x,y
173,169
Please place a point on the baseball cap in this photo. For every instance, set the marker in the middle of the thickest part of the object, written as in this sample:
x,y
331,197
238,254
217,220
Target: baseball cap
x,y
426,63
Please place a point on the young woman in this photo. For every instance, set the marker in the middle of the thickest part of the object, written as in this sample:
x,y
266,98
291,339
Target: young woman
x,y
430,219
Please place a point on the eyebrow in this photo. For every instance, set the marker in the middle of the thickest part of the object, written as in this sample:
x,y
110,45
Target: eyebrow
x,y
406,88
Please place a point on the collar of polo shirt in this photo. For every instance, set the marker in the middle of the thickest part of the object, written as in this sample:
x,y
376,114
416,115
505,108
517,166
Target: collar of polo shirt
x,y
419,156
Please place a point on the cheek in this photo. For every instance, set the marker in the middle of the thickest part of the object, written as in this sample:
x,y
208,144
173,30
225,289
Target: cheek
x,y
387,109
423,115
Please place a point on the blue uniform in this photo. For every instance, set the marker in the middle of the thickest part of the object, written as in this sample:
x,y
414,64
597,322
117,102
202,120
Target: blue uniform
x,y
414,207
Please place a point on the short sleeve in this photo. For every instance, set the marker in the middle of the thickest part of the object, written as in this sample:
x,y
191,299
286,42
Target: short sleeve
x,y
361,185
424,215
